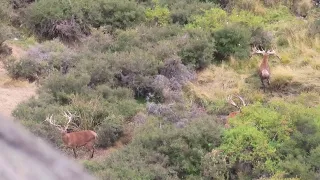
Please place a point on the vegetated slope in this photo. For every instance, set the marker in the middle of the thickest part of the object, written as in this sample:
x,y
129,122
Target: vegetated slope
x,y
13,92
164,68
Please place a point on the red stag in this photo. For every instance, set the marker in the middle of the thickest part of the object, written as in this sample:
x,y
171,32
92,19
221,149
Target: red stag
x,y
233,114
77,139
264,69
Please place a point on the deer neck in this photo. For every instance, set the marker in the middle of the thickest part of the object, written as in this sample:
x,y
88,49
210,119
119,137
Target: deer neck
x,y
265,60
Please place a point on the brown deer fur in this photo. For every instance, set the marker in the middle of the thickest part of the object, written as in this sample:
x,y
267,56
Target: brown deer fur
x,y
77,139
264,69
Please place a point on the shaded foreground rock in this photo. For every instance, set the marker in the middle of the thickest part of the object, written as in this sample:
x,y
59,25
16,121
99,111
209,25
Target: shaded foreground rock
x,y
26,157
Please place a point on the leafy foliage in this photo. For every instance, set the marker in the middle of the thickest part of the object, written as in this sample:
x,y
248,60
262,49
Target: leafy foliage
x,y
146,67
165,153
232,41
198,51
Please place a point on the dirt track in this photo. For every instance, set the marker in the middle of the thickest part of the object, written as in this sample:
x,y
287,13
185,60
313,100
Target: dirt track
x,y
12,92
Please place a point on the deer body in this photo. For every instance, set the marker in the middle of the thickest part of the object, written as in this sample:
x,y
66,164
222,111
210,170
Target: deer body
x,y
264,69
77,139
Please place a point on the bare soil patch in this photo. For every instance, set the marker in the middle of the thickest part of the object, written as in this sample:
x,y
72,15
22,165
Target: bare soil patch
x,y
13,92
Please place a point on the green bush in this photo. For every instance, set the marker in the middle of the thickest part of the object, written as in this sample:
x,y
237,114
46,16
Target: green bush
x,y
183,11
246,18
261,38
199,50
40,60
215,166
283,137
71,20
213,19
56,19
248,146
232,40
109,131
282,41
117,14
158,15
165,152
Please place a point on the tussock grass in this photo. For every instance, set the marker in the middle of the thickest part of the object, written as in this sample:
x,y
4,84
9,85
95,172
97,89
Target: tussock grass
x,y
215,83
295,80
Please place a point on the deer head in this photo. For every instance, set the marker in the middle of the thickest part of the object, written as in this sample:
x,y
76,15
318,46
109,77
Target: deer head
x,y
62,129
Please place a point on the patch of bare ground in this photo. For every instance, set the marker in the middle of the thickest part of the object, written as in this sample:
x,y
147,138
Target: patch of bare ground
x,y
13,92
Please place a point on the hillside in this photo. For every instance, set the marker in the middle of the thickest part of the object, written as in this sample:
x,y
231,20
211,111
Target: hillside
x,y
158,81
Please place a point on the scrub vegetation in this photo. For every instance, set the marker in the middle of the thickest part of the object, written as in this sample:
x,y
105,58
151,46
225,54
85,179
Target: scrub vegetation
x,y
154,75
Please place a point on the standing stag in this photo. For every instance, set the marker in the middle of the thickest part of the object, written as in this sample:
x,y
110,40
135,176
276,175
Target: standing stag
x,y
233,114
77,139
264,69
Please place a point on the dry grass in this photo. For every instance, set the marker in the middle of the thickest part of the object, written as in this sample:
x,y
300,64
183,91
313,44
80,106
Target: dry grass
x,y
216,83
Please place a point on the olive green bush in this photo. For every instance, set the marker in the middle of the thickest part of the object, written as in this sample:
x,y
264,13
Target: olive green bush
x,y
69,20
166,152
41,59
283,136
131,69
198,51
232,40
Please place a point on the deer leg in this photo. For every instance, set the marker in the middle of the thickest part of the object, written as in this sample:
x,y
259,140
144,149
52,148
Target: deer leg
x,y
92,152
263,85
90,146
269,86
74,152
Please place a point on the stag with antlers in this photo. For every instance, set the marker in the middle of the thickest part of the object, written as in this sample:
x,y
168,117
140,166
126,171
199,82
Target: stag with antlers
x,y
77,139
264,69
233,114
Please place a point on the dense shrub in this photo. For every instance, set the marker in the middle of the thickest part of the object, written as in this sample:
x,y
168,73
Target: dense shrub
x,y
232,40
40,60
248,148
246,18
117,14
282,41
198,52
109,131
70,22
158,15
286,133
165,152
261,38
62,21
212,20
182,12
21,3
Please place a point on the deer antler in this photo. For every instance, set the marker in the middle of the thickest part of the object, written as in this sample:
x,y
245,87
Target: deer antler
x,y
272,52
229,99
52,122
257,51
69,116
242,100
